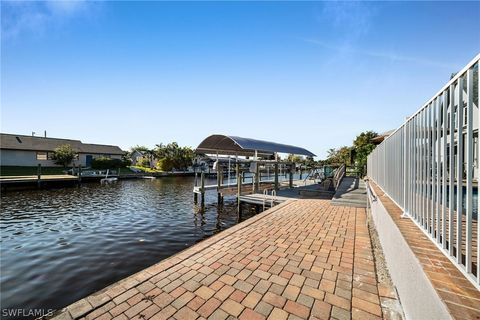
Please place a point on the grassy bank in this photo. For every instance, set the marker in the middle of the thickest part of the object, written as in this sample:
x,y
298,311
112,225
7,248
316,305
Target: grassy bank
x,y
28,171
32,171
146,169
124,171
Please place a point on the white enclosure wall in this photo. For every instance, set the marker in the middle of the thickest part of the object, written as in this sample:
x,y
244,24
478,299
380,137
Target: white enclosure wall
x,y
429,167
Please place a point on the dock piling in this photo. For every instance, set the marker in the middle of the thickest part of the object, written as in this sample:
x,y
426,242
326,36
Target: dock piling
x,y
257,178
195,195
239,187
290,178
39,175
276,176
239,182
219,183
202,187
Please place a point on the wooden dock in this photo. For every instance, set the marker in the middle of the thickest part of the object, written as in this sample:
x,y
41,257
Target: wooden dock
x,y
33,182
227,186
303,190
267,200
265,194
28,179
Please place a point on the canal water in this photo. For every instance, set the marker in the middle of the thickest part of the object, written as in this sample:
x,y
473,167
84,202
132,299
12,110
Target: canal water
x,y
60,245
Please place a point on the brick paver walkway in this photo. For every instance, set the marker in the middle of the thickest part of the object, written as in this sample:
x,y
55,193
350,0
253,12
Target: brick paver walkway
x,y
302,259
459,295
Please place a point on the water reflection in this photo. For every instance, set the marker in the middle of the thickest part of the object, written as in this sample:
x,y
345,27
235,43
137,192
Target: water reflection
x,y
58,246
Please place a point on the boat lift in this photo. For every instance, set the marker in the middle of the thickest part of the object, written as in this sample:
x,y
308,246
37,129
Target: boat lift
x,y
251,152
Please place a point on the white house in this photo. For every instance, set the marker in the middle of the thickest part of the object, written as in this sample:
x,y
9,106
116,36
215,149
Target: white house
x,y
21,150
136,157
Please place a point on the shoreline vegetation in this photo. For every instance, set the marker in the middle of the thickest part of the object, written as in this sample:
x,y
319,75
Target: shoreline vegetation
x,y
19,171
170,159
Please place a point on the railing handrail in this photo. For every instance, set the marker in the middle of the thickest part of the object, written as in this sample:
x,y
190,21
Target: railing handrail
x,y
425,160
445,87
338,175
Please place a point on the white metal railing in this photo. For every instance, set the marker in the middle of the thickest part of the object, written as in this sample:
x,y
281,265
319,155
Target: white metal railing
x,y
430,167
338,175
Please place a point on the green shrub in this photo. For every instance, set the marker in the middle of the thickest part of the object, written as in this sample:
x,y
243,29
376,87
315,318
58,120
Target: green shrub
x,y
63,155
143,163
126,161
165,164
107,163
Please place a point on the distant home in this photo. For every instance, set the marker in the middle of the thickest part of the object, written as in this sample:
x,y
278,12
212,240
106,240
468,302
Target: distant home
x,y
21,150
381,136
136,157
139,158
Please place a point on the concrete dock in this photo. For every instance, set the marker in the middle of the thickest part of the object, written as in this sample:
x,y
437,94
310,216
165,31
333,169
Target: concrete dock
x,y
301,259
351,192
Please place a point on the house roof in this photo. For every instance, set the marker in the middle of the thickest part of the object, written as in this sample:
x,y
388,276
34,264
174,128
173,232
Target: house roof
x,y
381,136
32,143
140,153
246,147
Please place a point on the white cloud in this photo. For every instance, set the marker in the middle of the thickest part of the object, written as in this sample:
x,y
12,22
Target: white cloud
x,y
350,19
66,8
391,56
21,17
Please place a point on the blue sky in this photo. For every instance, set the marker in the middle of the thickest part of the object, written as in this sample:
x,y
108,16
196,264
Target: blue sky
x,y
314,74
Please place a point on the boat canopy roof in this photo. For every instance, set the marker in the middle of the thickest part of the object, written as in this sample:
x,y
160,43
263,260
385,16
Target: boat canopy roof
x,y
232,145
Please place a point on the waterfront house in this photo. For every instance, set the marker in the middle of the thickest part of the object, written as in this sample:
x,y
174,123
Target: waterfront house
x,y
143,159
23,150
381,136
136,157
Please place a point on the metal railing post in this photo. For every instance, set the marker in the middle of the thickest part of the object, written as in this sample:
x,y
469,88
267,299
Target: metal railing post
x,y
430,167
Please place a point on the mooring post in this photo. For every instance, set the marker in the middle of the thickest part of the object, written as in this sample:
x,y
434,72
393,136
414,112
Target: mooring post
x,y
290,182
79,173
239,184
276,176
219,183
257,178
202,187
195,195
196,176
39,174
73,170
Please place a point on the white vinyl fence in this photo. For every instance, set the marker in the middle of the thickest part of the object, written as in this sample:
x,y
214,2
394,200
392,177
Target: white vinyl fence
x,y
430,167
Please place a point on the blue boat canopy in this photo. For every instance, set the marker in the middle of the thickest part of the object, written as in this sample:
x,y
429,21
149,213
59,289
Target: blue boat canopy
x,y
231,145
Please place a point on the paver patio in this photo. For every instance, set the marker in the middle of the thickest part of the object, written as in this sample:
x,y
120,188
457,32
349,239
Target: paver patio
x,y
301,259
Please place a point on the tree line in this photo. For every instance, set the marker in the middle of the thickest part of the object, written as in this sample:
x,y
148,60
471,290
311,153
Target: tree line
x,y
165,157
354,155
